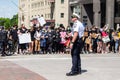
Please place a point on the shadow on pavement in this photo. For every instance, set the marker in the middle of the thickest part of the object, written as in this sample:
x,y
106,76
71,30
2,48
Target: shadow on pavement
x,y
83,71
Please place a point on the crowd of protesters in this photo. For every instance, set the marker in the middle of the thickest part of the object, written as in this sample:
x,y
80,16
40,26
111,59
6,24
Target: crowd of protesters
x,y
43,40
102,40
56,40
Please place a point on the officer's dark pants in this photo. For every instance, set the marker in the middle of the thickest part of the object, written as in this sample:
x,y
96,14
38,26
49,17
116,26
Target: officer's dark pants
x,y
75,53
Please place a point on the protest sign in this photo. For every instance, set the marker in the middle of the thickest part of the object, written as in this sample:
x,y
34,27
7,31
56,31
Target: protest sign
x,y
24,38
42,21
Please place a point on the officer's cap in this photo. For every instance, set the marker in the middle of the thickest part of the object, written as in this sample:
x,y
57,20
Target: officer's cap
x,y
75,16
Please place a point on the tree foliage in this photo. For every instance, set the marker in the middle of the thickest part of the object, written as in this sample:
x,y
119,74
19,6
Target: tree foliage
x,y
14,20
7,22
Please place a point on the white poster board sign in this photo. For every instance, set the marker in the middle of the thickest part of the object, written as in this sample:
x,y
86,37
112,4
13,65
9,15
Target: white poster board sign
x,y
106,39
42,21
118,26
24,38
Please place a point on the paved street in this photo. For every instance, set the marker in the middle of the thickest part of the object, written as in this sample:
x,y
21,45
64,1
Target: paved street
x,y
55,66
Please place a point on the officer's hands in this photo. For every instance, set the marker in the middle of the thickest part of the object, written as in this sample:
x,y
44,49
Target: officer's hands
x,y
71,45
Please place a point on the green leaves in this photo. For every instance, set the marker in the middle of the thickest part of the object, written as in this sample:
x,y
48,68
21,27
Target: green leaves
x,y
14,20
8,23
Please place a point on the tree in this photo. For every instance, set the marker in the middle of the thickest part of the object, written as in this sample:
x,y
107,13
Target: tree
x,y
7,22
2,21
14,20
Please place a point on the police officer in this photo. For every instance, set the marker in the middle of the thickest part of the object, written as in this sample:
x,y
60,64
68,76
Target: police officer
x,y
76,45
3,41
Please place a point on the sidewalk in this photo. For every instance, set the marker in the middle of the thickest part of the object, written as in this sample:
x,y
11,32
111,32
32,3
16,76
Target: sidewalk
x,y
12,71
55,67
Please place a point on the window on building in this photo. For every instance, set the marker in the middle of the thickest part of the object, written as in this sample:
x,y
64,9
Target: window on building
x,y
48,3
45,2
62,1
45,15
38,4
23,0
49,15
42,3
23,5
62,15
33,5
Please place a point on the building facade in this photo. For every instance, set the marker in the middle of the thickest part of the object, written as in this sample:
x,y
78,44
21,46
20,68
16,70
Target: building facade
x,y
99,12
31,9
52,10
61,12
92,12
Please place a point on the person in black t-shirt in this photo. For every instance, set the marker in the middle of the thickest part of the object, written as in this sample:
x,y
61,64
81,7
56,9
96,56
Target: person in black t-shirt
x,y
22,47
14,36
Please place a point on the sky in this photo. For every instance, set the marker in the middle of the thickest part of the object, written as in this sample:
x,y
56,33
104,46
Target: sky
x,y
8,8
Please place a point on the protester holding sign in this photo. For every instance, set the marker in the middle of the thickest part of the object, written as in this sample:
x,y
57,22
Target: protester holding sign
x,y
21,31
105,38
41,20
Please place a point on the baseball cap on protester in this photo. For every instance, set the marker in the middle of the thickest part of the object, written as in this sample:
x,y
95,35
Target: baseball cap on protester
x,y
75,16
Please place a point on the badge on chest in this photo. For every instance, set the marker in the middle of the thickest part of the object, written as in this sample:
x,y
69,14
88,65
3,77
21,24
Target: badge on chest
x,y
75,25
